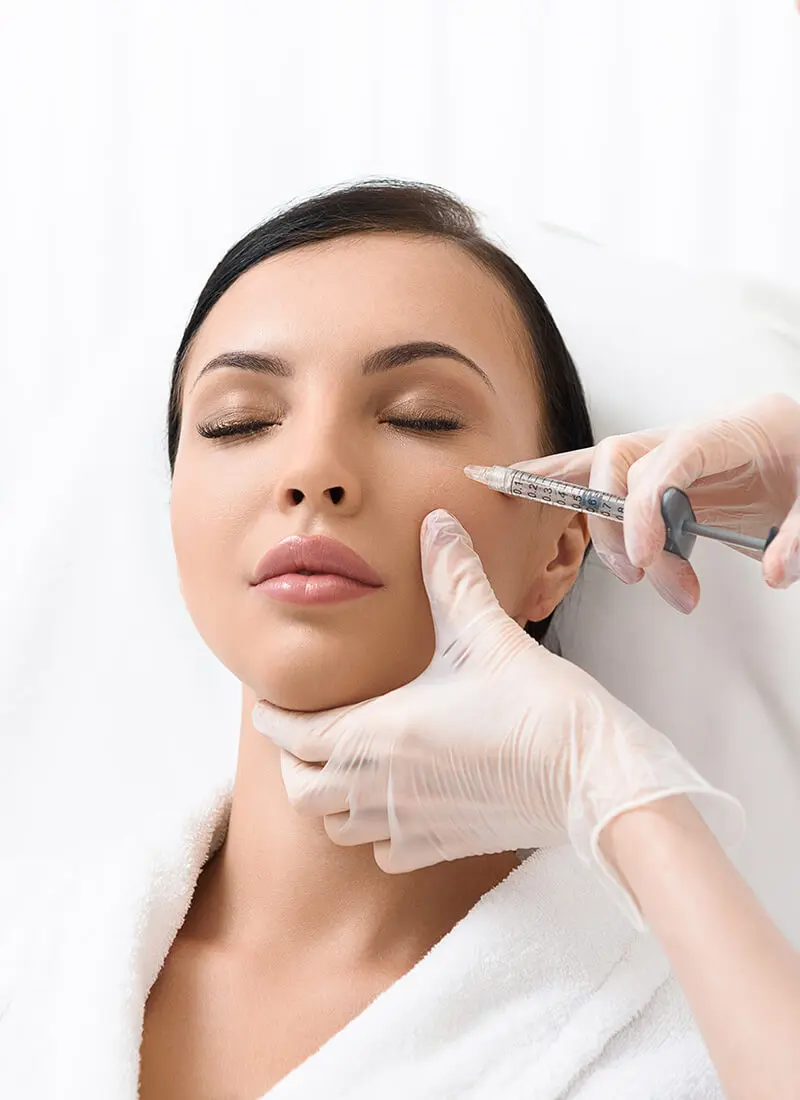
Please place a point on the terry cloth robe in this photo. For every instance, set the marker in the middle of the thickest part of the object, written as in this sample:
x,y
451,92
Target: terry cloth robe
x,y
543,990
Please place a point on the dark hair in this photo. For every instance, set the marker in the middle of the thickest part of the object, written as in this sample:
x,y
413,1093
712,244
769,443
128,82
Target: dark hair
x,y
389,205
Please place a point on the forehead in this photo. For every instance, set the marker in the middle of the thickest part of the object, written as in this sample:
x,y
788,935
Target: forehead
x,y
351,295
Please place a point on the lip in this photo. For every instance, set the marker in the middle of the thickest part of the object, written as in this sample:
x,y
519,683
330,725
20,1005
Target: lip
x,y
316,554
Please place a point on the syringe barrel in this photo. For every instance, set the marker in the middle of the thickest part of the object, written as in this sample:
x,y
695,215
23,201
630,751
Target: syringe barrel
x,y
562,494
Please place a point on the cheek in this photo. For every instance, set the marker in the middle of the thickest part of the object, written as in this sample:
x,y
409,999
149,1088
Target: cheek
x,y
507,535
203,537
506,553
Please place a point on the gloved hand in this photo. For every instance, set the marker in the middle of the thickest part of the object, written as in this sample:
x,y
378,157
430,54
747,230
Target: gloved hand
x,y
497,745
741,471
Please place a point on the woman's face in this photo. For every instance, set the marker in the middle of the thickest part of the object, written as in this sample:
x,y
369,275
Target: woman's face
x,y
339,461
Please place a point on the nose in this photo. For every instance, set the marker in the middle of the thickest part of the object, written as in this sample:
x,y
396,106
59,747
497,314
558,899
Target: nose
x,y
332,490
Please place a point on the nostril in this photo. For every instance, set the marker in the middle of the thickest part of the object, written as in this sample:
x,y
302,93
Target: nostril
x,y
336,493
297,496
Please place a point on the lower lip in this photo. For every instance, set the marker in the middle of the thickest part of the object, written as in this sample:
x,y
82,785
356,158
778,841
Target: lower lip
x,y
317,588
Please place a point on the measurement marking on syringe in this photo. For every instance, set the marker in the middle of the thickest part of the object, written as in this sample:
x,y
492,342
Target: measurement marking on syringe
x,y
563,495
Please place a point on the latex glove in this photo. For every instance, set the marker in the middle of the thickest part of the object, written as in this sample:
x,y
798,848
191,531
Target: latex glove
x,y
498,745
741,471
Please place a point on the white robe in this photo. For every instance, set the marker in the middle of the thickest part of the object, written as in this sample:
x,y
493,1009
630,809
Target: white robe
x,y
542,991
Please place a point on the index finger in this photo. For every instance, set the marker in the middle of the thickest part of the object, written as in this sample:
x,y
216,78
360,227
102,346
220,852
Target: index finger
x,y
567,466
310,736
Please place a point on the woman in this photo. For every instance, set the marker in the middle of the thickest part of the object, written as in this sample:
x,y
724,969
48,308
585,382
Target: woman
x,y
259,957
359,454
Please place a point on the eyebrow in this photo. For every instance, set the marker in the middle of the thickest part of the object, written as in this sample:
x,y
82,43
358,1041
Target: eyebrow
x,y
397,355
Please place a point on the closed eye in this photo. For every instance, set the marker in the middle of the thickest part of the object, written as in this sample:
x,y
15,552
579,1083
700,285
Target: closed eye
x,y
220,429
217,429
428,424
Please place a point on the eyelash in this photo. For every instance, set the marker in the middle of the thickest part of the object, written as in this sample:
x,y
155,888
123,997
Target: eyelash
x,y
225,429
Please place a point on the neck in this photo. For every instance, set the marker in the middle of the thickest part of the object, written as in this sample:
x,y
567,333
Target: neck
x,y
279,883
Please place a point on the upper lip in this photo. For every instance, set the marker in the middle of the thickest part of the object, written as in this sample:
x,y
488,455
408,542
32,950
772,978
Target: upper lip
x,y
315,554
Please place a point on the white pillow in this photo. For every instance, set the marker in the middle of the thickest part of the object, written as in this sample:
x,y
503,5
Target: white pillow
x,y
655,345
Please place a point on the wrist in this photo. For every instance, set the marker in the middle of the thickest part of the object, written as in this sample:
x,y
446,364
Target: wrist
x,y
652,843
653,823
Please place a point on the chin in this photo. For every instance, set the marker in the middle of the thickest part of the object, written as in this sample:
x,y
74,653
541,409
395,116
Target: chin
x,y
303,696
308,681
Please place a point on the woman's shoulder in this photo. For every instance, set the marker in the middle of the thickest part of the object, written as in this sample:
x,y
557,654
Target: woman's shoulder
x,y
82,938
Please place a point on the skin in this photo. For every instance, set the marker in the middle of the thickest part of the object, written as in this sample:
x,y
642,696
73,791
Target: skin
x,y
278,885
740,975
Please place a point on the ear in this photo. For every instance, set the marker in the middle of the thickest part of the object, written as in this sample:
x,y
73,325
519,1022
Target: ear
x,y
565,543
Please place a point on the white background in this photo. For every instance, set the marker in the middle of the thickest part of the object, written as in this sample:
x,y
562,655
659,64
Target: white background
x,y
139,141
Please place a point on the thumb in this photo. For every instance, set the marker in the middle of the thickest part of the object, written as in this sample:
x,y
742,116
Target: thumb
x,y
309,735
466,613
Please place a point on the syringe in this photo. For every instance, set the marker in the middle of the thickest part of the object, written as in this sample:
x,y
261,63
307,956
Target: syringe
x,y
676,509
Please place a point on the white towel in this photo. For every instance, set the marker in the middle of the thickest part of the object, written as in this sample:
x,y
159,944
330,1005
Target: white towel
x,y
543,990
